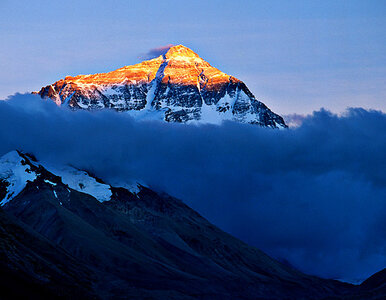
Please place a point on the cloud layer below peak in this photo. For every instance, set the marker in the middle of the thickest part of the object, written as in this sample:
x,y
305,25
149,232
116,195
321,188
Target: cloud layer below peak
x,y
313,196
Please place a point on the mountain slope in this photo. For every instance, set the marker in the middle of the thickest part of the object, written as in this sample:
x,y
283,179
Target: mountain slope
x,y
31,267
176,87
140,243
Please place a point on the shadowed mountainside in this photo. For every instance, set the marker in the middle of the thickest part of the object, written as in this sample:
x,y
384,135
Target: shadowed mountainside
x,y
131,243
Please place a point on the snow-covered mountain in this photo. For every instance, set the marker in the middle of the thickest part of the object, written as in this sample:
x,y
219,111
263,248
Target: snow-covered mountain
x,y
178,86
18,169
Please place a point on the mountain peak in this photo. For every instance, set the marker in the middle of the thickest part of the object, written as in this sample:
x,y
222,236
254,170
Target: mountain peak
x,y
178,86
180,51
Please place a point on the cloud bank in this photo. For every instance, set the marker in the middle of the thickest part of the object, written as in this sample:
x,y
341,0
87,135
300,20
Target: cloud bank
x,y
294,120
313,196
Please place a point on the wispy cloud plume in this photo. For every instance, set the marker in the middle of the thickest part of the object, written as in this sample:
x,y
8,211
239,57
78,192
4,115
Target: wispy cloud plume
x,y
155,52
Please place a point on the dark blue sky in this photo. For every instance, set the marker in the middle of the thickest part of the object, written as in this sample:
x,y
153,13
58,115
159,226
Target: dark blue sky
x,y
296,56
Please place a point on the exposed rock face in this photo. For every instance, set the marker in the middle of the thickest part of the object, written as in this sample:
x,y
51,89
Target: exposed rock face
x,y
176,87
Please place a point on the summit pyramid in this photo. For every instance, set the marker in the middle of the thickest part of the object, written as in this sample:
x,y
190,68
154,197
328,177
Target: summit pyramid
x,y
178,86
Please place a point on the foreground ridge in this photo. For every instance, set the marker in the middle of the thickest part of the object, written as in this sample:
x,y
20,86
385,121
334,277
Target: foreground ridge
x,y
178,86
71,235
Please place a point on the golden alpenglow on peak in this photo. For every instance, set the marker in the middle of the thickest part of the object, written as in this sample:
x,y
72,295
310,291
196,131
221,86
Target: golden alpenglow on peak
x,y
177,86
180,51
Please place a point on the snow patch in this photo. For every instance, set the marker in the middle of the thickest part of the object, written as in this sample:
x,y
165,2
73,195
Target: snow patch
x,y
151,94
133,187
50,182
81,181
15,173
